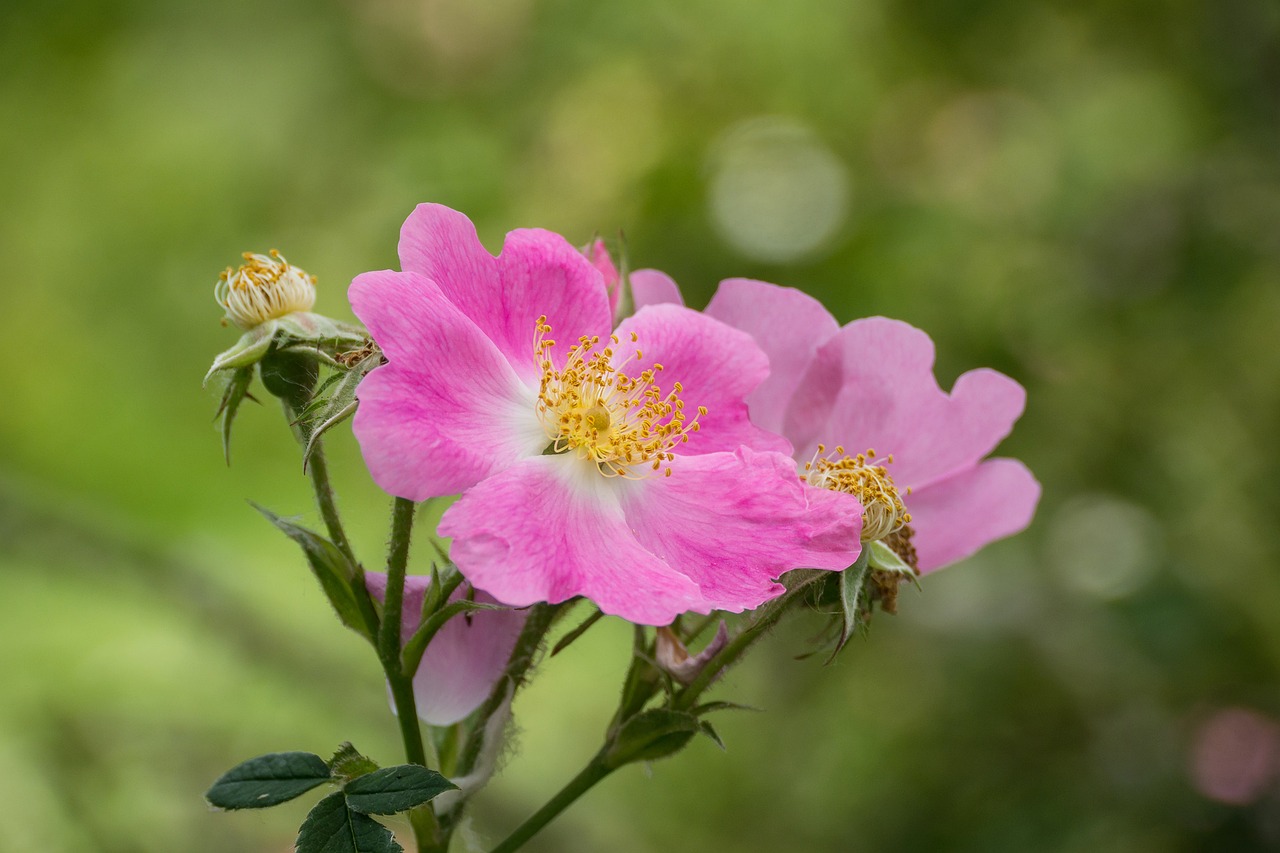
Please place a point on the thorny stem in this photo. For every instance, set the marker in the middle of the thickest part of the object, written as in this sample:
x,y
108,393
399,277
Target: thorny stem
x,y
595,770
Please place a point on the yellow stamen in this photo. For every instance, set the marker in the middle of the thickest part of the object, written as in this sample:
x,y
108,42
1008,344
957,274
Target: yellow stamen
x,y
264,288
866,478
622,423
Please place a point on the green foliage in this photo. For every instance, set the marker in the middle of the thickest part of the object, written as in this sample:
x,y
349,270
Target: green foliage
x,y
268,780
330,566
652,734
395,789
347,763
332,827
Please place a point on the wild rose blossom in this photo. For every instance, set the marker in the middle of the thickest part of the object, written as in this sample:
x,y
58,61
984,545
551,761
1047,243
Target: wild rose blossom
x,y
865,415
616,464
465,658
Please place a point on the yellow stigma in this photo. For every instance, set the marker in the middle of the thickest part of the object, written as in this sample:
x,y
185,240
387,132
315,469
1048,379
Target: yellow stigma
x,y
866,478
622,423
264,288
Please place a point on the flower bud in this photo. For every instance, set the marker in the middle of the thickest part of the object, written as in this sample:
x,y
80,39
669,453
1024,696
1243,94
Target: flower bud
x,y
674,657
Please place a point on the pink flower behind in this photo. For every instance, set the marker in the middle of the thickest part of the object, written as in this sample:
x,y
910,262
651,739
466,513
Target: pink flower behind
x,y
864,413
621,465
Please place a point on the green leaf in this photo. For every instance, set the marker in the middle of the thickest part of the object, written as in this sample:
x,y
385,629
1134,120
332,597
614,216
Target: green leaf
x,y
852,581
330,566
395,789
712,707
347,763
237,390
268,780
331,827
650,735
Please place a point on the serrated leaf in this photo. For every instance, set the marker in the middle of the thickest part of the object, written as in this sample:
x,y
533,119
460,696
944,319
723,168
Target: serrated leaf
x,y
237,390
650,735
395,789
331,827
330,566
348,763
268,780
852,580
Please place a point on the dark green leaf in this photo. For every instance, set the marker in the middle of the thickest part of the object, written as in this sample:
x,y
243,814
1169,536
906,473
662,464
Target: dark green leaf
x,y
237,390
712,707
268,780
650,735
348,763
330,566
331,827
395,789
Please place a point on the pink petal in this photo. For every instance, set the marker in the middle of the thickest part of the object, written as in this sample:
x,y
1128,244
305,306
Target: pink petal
x,y
651,287
447,409
955,517
717,366
464,659
550,528
537,273
787,324
735,521
889,400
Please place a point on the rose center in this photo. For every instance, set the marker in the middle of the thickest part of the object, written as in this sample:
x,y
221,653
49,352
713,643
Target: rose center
x,y
866,478
265,287
590,406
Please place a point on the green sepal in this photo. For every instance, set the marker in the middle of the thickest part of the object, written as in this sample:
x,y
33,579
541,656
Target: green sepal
x,y
268,780
319,330
332,827
330,566
709,730
650,735
347,763
395,789
885,559
248,351
235,393
852,580
713,707
333,403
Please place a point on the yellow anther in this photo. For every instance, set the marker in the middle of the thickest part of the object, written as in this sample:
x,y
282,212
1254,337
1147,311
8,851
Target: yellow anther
x,y
619,421
867,479
264,288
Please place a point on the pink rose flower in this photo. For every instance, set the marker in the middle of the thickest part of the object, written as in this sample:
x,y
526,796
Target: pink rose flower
x,y
620,465
864,413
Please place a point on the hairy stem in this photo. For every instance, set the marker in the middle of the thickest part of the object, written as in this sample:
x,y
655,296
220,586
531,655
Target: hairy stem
x,y
579,785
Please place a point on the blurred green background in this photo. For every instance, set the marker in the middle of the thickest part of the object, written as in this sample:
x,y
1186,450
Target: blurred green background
x,y
1083,195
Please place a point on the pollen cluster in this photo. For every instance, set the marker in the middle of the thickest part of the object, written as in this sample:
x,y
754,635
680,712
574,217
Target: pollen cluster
x,y
625,424
264,288
866,478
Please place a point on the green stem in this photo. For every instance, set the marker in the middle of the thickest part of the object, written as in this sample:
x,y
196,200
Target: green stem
x,y
402,512
318,470
579,785
766,617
